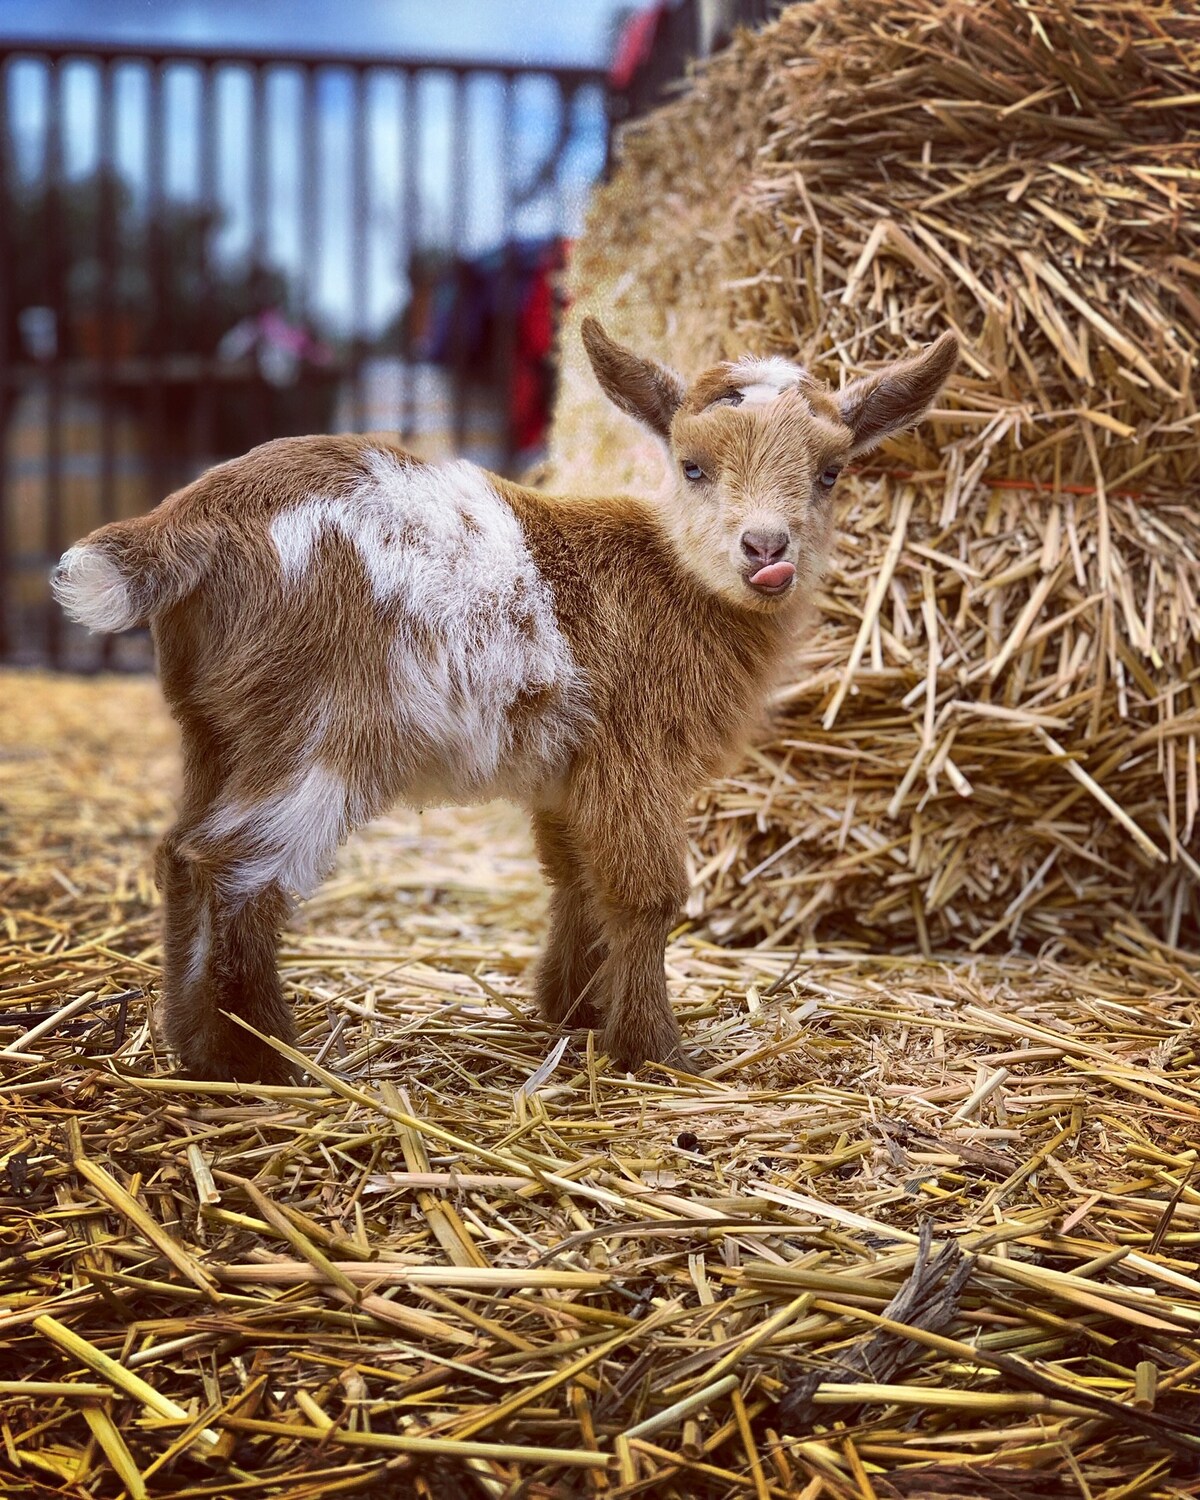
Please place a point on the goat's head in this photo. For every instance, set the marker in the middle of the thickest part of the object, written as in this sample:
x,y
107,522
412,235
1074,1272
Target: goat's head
x,y
756,447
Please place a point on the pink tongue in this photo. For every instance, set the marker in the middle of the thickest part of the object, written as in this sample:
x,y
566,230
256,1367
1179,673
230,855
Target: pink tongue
x,y
773,575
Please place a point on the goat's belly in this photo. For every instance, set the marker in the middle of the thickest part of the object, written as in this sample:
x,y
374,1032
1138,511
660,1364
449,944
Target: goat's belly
x,y
453,749
485,699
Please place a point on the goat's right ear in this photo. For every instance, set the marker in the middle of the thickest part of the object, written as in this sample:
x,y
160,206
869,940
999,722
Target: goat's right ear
x,y
642,387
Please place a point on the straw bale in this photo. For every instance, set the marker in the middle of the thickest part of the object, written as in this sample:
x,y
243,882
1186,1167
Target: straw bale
x,y
923,1229
991,738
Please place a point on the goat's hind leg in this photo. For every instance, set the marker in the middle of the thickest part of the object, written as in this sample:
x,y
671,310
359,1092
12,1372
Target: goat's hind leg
x,y
226,884
219,957
237,976
197,979
187,939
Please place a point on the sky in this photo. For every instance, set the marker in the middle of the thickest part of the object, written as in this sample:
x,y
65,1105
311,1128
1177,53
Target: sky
x,y
464,168
531,31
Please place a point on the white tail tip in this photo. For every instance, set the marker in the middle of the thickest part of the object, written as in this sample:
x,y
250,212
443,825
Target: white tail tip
x,y
92,589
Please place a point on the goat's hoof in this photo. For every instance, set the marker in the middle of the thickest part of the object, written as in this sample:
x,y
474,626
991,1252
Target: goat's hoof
x,y
629,1051
279,1071
569,1015
679,1062
255,1064
582,1016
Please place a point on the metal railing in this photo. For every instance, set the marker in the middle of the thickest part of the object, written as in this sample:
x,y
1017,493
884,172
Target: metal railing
x,y
202,248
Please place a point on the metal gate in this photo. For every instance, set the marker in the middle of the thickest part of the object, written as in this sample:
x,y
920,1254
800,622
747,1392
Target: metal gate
x,y
203,249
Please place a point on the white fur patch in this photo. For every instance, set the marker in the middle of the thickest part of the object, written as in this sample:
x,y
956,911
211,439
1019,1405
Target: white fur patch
x,y
476,634
92,589
201,947
761,380
405,522
289,837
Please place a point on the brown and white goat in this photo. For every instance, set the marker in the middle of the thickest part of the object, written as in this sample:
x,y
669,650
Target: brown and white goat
x,y
340,627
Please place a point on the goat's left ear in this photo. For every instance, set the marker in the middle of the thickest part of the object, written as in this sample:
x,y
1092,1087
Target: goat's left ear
x,y
897,396
641,387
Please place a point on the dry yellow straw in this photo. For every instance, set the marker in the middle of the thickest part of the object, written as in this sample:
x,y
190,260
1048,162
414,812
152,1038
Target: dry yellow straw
x,y
124,1380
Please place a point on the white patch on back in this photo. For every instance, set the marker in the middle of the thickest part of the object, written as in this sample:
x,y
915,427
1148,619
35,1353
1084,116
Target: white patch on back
x,y
288,838
476,636
761,380
92,589
404,518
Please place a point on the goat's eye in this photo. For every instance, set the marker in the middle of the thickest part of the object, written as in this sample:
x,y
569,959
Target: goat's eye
x,y
829,477
692,470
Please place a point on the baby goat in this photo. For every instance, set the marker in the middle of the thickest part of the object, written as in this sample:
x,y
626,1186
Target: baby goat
x,y
340,627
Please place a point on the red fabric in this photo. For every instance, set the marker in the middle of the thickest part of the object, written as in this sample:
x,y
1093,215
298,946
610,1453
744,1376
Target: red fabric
x,y
635,45
529,400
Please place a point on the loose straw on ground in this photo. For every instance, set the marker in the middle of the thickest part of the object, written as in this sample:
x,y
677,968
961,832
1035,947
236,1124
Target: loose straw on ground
x,y
430,1273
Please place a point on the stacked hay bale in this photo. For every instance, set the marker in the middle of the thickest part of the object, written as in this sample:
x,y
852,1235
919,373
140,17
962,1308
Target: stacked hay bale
x,y
991,737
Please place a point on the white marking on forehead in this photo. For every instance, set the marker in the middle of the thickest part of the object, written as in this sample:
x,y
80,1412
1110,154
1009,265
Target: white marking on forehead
x,y
762,380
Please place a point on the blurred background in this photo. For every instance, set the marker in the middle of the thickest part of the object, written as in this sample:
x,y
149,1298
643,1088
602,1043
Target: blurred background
x,y
221,223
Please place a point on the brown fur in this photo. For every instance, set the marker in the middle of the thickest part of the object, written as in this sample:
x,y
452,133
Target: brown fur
x,y
678,652
655,645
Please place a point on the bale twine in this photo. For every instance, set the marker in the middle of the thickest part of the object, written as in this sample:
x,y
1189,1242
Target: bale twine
x,y
991,737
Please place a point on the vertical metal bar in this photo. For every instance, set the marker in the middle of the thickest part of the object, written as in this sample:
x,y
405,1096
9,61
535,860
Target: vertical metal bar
x,y
168,285
156,404
309,146
260,178
308,142
565,124
412,243
614,105
458,187
207,334
359,222
106,310
7,387
506,309
55,300
567,96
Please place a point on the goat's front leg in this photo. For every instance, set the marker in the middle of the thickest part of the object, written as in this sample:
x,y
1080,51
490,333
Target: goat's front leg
x,y
634,850
640,1024
564,980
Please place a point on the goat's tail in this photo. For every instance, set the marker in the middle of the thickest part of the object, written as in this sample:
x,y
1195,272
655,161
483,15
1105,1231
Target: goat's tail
x,y
127,571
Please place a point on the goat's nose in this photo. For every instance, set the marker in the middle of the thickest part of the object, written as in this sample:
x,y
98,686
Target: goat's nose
x,y
763,547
